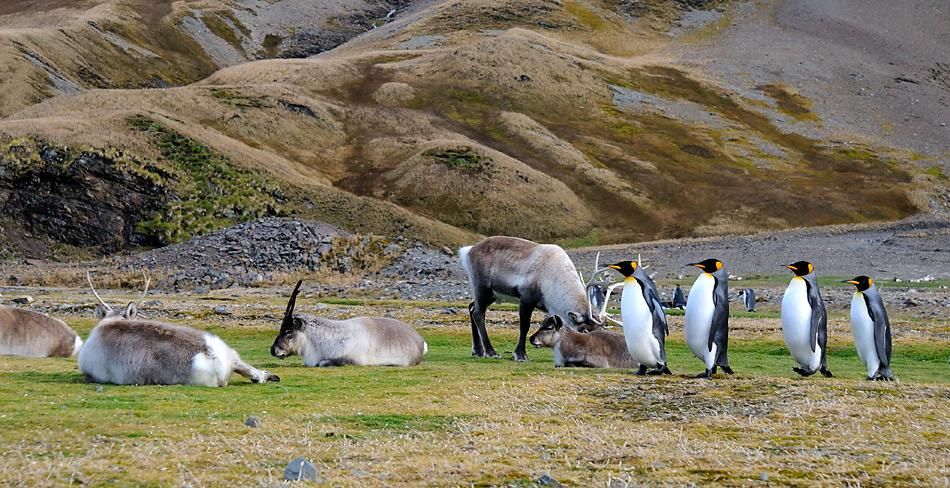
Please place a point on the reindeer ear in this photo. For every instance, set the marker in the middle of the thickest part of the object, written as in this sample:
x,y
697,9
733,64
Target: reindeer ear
x,y
558,323
130,312
100,312
297,323
575,317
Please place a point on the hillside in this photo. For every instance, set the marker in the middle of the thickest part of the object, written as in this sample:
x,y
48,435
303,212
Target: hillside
x,y
588,122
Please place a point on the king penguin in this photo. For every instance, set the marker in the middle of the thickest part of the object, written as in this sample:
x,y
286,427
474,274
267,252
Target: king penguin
x,y
679,301
644,323
747,296
707,317
804,321
871,329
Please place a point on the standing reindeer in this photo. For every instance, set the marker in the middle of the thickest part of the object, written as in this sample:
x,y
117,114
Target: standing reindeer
x,y
36,335
125,350
539,275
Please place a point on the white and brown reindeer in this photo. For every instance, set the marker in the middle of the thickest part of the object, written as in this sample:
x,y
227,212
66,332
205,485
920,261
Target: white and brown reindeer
x,y
598,348
539,276
125,350
36,335
360,341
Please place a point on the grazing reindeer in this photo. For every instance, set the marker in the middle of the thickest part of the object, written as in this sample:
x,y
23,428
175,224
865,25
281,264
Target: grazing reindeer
x,y
539,275
361,341
127,351
36,335
596,349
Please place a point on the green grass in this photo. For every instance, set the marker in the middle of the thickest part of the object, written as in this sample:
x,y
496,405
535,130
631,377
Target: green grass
x,y
455,419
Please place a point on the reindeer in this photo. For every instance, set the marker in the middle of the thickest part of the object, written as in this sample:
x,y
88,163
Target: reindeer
x,y
598,348
360,341
125,350
540,276
36,335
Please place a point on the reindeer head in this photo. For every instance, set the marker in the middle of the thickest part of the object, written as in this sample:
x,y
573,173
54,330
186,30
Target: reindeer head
x,y
286,343
549,332
105,311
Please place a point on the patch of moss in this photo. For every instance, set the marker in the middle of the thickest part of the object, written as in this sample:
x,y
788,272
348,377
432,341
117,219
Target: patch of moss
x,y
271,45
936,172
221,28
235,99
212,192
789,102
461,158
587,17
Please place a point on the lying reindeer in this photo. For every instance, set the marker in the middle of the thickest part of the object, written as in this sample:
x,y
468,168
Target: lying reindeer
x,y
361,341
36,335
540,276
125,350
595,349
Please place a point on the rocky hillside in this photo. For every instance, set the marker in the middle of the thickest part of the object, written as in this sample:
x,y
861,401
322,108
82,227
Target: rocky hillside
x,y
583,121
51,48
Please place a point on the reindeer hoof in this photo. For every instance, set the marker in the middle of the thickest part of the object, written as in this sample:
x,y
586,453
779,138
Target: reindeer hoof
x,y
273,378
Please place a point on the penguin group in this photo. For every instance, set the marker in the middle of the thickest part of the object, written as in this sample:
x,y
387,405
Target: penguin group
x,y
804,320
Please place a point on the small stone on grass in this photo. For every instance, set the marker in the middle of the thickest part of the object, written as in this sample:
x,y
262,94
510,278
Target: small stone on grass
x,y
253,422
301,470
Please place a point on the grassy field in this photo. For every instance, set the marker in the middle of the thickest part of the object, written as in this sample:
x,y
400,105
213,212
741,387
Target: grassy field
x,y
457,421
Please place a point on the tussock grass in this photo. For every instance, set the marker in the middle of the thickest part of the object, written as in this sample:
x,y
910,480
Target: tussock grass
x,y
455,420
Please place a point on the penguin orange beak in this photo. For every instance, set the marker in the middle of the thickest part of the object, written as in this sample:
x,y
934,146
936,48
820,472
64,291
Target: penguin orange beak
x,y
614,266
789,266
698,265
853,282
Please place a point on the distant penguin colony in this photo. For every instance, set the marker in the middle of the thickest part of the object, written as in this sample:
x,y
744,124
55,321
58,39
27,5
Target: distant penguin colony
x,y
707,317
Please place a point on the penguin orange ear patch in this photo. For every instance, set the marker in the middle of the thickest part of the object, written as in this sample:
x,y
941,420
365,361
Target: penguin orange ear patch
x,y
718,265
811,268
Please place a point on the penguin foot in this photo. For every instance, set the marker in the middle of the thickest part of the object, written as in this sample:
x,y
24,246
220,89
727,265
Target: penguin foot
x,y
804,372
706,375
655,372
666,370
642,371
826,372
727,369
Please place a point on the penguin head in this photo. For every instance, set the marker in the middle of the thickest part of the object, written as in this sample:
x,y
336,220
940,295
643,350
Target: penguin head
x,y
801,268
710,265
862,282
626,268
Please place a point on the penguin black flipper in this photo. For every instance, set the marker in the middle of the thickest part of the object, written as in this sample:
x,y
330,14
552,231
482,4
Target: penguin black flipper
x,y
719,329
819,318
882,328
661,328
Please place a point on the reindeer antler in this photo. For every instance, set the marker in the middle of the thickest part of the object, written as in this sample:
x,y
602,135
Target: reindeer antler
x,y
601,278
93,288
145,293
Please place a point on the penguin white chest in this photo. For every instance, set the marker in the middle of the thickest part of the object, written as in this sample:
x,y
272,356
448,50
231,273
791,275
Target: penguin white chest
x,y
638,325
862,327
699,313
796,324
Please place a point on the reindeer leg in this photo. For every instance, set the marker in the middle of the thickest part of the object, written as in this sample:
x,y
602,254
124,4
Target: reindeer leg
x,y
478,350
524,313
252,373
483,299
